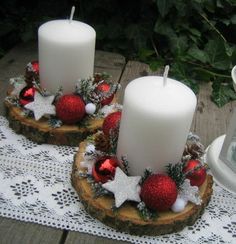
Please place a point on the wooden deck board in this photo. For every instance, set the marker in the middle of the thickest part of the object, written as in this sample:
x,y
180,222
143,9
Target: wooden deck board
x,y
17,232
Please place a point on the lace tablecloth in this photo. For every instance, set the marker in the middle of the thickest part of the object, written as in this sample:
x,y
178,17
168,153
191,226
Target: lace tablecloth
x,y
35,187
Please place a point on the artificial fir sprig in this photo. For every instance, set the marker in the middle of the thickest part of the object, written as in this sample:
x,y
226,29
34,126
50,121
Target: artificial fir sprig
x,y
175,171
125,164
146,174
145,213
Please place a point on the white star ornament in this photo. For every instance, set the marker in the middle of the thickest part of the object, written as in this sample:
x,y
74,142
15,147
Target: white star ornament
x,y
41,106
124,187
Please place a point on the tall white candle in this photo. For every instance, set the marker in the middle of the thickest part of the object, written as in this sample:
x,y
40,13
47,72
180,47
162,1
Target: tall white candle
x,y
66,53
155,123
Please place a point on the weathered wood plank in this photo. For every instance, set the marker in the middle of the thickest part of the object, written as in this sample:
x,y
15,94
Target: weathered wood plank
x,y
13,232
83,238
210,121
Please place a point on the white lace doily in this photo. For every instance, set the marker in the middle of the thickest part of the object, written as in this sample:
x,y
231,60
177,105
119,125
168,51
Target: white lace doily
x,y
35,187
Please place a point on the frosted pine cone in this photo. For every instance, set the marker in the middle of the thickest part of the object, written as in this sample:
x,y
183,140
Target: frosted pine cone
x,y
102,142
194,149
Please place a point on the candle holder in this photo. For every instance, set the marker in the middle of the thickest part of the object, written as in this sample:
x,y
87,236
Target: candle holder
x,y
56,118
101,182
221,157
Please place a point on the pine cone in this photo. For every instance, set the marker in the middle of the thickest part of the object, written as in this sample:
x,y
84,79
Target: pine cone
x,y
194,149
30,77
102,142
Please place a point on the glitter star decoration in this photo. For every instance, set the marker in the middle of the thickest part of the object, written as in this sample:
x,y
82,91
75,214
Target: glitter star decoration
x,y
41,106
124,187
189,193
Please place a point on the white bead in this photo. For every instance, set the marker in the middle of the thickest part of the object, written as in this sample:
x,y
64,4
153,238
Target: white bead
x,y
90,108
90,148
179,205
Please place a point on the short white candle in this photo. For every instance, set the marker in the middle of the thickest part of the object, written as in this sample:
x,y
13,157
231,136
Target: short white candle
x,y
155,123
66,53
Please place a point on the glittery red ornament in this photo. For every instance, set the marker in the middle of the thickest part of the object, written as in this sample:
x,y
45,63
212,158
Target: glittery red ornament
x,y
111,122
196,172
105,88
26,95
104,169
70,109
159,192
34,67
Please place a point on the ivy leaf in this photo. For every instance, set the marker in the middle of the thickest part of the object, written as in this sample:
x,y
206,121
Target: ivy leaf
x,y
164,28
164,6
217,56
144,54
233,19
222,93
180,71
179,46
155,64
196,53
137,33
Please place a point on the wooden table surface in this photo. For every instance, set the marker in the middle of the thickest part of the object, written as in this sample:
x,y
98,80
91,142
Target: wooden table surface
x,y
209,122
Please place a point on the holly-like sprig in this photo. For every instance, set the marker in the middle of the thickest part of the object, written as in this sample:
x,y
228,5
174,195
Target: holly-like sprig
x,y
87,88
175,171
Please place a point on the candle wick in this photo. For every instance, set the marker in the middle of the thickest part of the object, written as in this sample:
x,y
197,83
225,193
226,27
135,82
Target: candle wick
x,y
165,75
72,14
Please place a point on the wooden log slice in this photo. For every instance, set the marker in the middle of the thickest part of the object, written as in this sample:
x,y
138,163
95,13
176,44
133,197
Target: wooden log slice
x,y
41,132
127,218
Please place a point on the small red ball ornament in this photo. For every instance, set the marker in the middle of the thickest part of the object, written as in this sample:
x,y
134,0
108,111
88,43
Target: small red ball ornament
x,y
159,192
33,66
26,95
105,88
196,172
111,122
104,169
70,109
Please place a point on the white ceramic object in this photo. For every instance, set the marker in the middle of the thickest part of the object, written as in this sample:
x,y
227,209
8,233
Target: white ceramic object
x,y
233,74
222,174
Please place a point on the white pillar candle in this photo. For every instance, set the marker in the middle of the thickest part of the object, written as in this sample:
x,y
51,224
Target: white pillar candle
x,y
156,119
66,53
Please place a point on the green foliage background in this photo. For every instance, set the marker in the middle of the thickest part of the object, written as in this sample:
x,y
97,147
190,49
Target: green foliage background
x,y
196,37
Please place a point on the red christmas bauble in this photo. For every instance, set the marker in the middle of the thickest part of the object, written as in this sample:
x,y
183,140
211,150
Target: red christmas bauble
x,y
111,122
196,172
159,192
26,95
105,88
104,169
70,109
33,66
